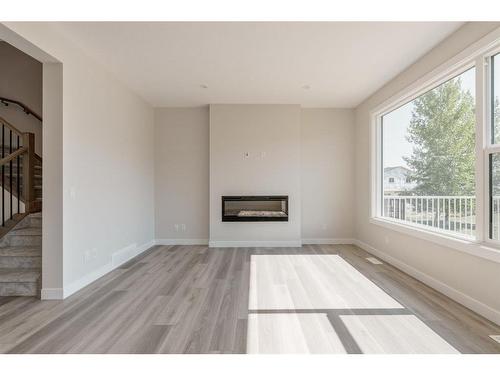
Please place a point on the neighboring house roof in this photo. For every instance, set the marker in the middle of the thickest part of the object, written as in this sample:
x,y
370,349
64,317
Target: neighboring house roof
x,y
398,168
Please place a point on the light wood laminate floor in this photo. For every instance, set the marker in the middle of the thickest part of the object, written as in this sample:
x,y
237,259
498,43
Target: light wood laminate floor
x,y
192,299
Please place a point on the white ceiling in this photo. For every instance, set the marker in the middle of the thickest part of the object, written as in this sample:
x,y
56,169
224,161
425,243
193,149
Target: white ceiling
x,y
343,63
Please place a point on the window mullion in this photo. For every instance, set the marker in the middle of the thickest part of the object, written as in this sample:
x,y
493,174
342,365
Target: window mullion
x,y
481,165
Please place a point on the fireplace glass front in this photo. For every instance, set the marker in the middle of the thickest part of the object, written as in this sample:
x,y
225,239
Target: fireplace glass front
x,y
255,208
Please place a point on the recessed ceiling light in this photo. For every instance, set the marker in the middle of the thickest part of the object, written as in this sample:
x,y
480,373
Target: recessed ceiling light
x,y
306,87
204,86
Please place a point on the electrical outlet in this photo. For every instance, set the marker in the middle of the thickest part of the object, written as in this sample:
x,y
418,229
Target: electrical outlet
x,y
183,227
246,155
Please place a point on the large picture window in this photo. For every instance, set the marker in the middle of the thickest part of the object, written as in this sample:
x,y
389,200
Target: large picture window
x,y
435,154
428,159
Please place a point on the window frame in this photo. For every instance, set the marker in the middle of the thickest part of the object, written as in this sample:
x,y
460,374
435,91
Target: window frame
x,y
490,147
477,55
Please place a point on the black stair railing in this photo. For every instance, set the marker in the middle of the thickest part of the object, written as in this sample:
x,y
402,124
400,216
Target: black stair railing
x,y
17,164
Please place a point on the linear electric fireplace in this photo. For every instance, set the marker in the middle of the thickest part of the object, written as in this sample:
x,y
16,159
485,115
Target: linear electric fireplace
x,y
255,208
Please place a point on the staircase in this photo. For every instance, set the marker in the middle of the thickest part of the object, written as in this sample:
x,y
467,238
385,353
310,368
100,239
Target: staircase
x,y
21,258
20,213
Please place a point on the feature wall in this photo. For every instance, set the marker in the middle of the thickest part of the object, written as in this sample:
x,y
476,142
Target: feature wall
x,y
255,150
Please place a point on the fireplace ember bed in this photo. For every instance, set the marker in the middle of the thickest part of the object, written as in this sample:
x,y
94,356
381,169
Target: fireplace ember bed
x,y
255,208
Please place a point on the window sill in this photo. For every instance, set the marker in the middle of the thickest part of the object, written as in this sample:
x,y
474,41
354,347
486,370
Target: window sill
x,y
469,246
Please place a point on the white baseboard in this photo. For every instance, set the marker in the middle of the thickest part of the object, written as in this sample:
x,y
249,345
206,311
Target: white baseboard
x,y
328,241
117,259
52,293
182,241
295,243
82,282
462,298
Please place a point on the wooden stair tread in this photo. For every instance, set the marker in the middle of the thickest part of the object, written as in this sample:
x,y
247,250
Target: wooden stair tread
x,y
27,231
20,251
16,275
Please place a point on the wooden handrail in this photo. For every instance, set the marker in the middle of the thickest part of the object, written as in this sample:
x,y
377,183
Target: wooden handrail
x,y
25,108
10,126
13,155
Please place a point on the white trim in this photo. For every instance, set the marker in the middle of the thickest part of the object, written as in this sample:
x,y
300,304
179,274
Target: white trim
x,y
327,241
464,299
294,243
87,279
52,293
182,241
480,176
470,247
117,258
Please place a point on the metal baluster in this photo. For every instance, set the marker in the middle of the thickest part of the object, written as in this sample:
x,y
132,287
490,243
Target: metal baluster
x,y
460,214
455,210
432,211
426,211
473,210
10,173
421,214
3,178
18,179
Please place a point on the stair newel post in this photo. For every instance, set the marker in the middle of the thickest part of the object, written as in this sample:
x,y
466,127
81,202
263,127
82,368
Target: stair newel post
x,y
29,171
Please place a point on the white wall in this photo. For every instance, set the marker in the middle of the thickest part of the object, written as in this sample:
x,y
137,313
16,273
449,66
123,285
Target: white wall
x,y
21,79
274,130
327,174
181,173
107,162
472,280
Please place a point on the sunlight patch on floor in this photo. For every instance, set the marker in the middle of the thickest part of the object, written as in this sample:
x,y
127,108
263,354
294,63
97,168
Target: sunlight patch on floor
x,y
395,334
321,304
311,282
291,334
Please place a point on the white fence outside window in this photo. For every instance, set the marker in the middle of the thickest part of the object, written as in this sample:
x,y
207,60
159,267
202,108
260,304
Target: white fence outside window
x,y
448,213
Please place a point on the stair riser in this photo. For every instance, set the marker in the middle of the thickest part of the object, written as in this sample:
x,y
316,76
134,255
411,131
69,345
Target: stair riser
x,y
20,262
30,222
13,240
18,289
34,222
